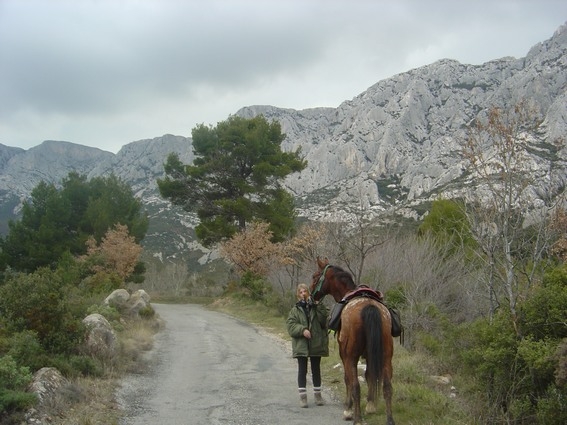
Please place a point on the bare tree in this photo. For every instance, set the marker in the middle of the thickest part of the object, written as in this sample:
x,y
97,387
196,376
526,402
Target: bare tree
x,y
429,279
559,226
508,221
169,278
355,241
297,255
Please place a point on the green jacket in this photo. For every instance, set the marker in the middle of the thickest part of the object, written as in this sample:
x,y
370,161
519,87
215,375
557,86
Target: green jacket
x,y
297,321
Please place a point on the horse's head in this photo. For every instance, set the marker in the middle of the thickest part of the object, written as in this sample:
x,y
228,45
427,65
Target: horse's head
x,y
330,280
319,285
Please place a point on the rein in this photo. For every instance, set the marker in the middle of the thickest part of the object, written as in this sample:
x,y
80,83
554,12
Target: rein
x,y
321,281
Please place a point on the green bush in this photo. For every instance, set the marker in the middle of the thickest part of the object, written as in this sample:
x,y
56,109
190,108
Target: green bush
x,y
489,353
395,297
552,409
110,313
543,314
76,365
147,312
255,287
11,401
38,302
101,283
26,349
12,376
13,381
521,369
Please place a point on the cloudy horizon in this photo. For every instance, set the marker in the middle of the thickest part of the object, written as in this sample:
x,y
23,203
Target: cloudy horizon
x,y
106,73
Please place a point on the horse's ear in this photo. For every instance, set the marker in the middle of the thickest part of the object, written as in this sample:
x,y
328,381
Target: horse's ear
x,y
322,263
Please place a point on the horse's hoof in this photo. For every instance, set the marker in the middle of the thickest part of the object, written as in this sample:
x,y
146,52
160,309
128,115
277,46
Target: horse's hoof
x,y
347,415
370,407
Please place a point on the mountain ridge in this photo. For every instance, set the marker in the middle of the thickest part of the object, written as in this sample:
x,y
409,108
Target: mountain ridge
x,y
391,148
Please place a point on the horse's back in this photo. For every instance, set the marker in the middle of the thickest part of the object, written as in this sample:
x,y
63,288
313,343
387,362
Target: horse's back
x,y
353,310
353,329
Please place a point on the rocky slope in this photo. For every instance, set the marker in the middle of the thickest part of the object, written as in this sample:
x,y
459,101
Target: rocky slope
x,y
389,149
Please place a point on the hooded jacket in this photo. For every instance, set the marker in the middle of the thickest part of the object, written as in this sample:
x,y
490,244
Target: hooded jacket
x,y
314,318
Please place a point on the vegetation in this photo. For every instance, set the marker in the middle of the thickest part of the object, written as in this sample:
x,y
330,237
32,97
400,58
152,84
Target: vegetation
x,y
55,222
70,249
481,285
234,179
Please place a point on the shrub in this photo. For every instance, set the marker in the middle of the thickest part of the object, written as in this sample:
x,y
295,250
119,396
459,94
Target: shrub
x,y
147,312
11,401
13,377
110,313
255,287
76,365
26,349
552,409
38,302
13,381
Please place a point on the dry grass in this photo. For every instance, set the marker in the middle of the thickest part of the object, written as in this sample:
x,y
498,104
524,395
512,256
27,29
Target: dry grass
x,y
86,401
92,401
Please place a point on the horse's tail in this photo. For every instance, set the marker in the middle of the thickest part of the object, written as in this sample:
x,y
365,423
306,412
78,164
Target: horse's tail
x,y
374,347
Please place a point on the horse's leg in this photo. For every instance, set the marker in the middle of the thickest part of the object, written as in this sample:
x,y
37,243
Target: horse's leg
x,y
371,398
387,389
353,392
349,385
355,396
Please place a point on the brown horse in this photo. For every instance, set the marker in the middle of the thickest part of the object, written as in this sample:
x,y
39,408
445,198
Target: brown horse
x,y
365,332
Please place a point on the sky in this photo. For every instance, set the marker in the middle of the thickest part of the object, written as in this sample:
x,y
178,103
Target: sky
x,y
105,73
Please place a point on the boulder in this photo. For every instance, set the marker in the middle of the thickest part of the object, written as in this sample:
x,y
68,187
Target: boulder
x,y
138,300
117,298
101,339
46,382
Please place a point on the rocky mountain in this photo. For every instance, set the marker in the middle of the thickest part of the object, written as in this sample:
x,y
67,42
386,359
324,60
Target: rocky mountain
x,y
392,148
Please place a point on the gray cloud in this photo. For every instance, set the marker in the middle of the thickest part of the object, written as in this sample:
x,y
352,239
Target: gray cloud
x,y
105,73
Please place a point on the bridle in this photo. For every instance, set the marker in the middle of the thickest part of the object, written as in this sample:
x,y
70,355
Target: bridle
x,y
321,281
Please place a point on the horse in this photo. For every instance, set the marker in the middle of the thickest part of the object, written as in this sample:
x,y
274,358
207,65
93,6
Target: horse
x,y
365,331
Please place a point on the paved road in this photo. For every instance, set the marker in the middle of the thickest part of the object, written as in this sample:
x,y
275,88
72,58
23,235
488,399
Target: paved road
x,y
209,368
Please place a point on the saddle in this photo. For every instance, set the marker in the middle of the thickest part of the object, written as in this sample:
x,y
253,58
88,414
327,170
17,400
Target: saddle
x,y
334,322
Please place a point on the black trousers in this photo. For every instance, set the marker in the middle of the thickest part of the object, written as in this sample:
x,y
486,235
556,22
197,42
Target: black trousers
x,y
302,371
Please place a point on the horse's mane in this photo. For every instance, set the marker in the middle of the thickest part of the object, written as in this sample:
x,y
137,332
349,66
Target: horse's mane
x,y
345,277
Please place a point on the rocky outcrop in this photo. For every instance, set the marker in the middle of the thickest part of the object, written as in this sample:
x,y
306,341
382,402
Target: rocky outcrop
x,y
398,143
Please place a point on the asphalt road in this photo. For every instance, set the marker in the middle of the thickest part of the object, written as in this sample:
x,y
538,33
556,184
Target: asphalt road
x,y
209,368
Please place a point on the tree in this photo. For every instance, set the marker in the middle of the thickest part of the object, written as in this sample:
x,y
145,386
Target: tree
x,y
111,201
250,251
355,242
117,253
298,254
58,221
449,226
511,234
235,179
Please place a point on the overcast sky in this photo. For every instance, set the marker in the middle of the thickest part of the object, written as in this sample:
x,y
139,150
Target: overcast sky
x,y
105,73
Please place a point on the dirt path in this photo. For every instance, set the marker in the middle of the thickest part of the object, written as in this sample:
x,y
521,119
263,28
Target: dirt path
x,y
209,368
